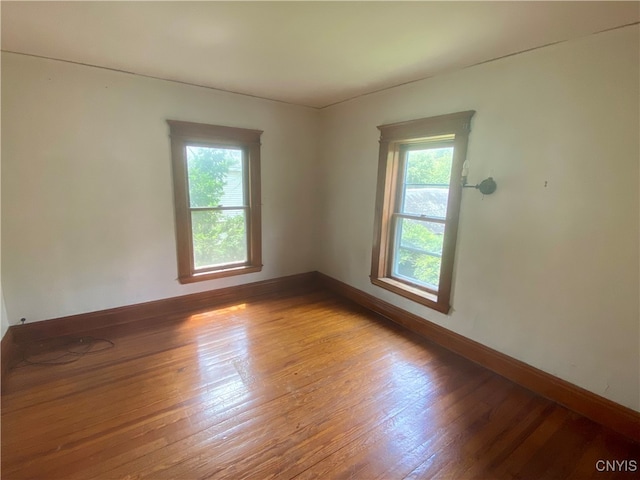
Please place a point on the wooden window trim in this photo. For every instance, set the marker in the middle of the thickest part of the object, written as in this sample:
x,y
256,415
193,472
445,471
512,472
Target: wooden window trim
x,y
189,133
393,139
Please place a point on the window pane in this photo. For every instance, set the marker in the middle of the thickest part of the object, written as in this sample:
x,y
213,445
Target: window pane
x,y
426,181
219,237
418,251
418,268
215,177
429,201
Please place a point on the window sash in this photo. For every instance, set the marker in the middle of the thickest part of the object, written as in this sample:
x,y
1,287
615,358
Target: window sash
x,y
247,240
394,253
401,187
245,208
399,205
423,218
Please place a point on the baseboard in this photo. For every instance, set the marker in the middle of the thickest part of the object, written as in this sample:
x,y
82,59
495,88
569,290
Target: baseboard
x,y
75,324
599,409
7,353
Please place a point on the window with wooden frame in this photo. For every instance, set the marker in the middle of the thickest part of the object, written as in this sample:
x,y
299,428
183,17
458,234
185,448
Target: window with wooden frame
x,y
216,180
417,207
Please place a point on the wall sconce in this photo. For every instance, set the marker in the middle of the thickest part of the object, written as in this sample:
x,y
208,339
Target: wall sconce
x,y
486,187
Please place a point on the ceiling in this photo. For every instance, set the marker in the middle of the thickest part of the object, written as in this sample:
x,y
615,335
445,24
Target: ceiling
x,y
307,53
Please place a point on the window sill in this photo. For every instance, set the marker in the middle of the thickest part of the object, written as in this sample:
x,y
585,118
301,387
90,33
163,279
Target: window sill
x,y
419,296
229,272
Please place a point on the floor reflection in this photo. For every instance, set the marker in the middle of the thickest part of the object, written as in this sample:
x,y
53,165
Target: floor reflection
x,y
223,359
414,384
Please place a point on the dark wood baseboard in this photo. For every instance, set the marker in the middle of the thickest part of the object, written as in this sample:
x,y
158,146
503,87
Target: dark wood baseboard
x,y
599,409
83,322
7,353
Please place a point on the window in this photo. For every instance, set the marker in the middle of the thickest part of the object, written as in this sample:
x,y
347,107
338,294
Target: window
x,y
417,206
216,179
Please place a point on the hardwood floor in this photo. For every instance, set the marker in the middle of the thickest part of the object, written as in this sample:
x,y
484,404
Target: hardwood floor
x,y
306,386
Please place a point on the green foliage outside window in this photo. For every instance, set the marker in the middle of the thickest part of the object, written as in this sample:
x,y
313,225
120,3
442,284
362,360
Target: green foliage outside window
x,y
420,266
431,166
219,236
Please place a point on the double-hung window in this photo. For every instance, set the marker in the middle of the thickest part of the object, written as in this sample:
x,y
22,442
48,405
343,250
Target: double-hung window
x,y
417,207
216,175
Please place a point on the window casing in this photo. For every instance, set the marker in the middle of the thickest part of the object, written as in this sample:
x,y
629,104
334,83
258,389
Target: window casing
x,y
216,178
417,207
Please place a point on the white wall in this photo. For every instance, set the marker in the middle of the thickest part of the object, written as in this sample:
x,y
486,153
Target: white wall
x,y
87,196
4,321
548,275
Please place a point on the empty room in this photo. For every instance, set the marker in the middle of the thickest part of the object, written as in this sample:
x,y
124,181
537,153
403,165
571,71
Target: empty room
x,y
329,240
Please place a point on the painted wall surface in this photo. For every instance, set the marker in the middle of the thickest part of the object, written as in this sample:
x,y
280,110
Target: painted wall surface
x,y
4,322
4,319
547,267
87,195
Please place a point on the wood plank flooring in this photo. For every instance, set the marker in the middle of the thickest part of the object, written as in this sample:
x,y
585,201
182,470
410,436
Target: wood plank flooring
x,y
307,386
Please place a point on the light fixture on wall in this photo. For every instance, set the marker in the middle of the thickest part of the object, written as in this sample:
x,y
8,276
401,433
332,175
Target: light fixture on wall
x,y
486,187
